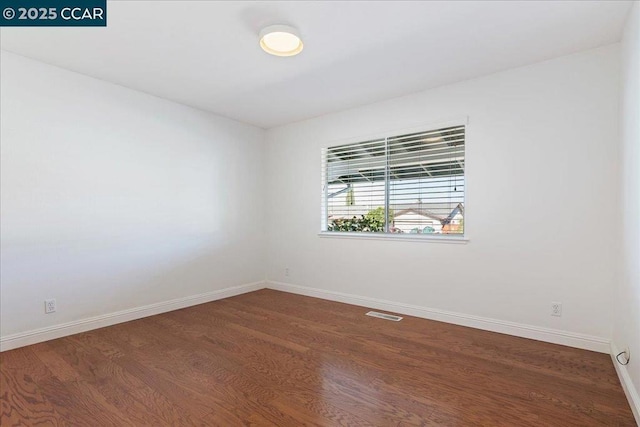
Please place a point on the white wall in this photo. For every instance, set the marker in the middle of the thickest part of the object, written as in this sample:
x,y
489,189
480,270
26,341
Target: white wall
x,y
542,153
626,331
113,199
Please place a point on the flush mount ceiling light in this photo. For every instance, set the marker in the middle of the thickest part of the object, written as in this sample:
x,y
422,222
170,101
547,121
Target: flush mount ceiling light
x,y
281,40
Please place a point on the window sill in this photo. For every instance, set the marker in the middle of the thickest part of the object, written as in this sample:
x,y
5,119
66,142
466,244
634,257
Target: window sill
x,y
402,237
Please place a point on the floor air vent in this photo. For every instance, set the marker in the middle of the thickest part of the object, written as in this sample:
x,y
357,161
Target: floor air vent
x,y
384,316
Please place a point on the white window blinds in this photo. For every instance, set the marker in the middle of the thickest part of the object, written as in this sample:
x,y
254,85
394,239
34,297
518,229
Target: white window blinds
x,y
413,183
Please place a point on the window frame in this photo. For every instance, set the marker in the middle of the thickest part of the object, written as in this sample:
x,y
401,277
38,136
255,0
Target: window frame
x,y
433,238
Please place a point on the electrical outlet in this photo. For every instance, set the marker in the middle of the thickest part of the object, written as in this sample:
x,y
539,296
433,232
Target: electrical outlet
x,y
556,309
49,306
286,272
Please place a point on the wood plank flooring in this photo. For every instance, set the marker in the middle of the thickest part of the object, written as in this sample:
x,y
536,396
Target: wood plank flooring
x,y
269,358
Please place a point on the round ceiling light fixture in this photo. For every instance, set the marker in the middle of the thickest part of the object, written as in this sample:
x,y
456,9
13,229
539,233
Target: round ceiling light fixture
x,y
281,40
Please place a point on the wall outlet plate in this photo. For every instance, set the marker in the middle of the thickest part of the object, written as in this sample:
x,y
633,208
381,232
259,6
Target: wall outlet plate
x,y
49,306
556,309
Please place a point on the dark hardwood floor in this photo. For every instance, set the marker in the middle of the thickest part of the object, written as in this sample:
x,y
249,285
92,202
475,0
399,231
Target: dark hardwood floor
x,y
275,359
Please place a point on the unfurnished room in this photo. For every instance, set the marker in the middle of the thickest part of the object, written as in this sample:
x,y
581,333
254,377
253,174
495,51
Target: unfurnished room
x,y
319,213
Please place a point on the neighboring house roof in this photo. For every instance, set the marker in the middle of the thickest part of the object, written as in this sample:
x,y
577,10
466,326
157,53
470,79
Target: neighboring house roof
x,y
437,211
418,211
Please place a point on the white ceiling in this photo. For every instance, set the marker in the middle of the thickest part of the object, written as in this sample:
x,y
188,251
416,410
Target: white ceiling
x,y
206,54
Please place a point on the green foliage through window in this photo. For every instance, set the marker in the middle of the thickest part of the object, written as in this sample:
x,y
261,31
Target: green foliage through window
x,y
372,222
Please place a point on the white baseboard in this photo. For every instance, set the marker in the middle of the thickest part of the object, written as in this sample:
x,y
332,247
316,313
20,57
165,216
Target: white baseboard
x,y
554,336
627,385
62,330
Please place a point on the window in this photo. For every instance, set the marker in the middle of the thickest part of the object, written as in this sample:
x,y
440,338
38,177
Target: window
x,y
412,183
